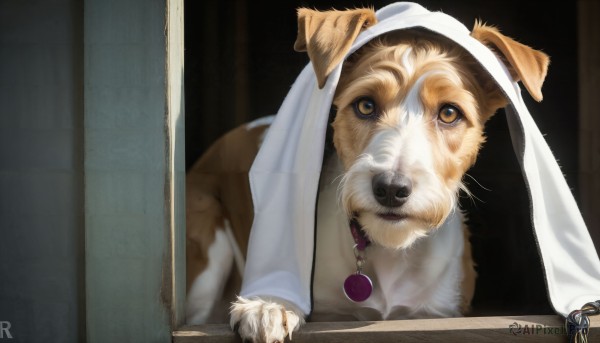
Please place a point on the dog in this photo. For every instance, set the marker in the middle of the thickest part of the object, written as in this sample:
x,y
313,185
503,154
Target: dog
x,y
407,123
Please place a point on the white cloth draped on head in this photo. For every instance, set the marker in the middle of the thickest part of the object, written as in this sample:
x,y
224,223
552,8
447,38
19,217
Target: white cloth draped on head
x,y
284,181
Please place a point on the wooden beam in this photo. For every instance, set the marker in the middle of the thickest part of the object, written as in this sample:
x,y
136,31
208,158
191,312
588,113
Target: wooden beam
x,y
174,284
467,329
589,118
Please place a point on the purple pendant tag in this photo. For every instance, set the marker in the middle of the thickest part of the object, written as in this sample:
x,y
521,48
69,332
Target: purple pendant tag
x,y
358,287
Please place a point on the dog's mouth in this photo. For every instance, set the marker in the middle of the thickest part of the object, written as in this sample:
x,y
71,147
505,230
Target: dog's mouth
x,y
391,216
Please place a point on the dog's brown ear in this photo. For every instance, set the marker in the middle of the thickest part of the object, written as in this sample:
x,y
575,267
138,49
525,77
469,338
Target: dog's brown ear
x,y
524,63
327,36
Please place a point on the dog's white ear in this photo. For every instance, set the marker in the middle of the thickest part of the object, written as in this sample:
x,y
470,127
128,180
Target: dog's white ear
x,y
328,35
524,63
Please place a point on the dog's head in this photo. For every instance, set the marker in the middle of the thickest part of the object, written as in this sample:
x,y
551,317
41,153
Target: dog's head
x,y
411,108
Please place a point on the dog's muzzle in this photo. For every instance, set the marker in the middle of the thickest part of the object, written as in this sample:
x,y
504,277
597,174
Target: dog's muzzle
x,y
391,189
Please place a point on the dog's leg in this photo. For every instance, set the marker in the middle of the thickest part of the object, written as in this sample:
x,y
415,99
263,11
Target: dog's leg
x,y
207,288
218,220
262,321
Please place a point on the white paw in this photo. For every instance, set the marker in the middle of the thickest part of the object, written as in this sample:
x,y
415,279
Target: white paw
x,y
261,321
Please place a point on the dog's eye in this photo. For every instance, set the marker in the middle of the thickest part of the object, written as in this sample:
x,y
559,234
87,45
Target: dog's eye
x,y
449,114
365,107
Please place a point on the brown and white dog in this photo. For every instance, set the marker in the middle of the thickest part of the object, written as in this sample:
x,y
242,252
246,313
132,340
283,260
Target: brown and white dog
x,y
410,112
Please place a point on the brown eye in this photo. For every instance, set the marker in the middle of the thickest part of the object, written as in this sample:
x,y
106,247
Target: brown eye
x,y
365,107
449,114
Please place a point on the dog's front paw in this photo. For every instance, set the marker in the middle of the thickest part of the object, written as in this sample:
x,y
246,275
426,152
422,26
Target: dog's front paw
x,y
263,321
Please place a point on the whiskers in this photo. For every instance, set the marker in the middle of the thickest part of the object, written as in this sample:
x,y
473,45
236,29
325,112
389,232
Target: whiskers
x,y
346,194
359,174
463,186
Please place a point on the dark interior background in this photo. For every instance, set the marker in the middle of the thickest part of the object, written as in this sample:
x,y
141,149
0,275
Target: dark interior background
x,y
240,64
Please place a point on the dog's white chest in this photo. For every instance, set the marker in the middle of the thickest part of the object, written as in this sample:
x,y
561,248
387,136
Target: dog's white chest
x,y
421,281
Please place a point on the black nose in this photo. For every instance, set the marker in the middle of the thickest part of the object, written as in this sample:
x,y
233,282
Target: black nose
x,y
391,189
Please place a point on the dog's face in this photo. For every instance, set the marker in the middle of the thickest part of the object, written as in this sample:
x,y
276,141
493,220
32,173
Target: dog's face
x,y
411,107
410,114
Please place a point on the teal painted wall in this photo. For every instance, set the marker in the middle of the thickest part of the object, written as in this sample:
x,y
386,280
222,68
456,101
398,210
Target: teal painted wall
x,y
127,171
91,170
41,171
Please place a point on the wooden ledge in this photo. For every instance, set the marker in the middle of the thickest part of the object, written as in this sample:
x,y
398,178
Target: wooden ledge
x,y
466,329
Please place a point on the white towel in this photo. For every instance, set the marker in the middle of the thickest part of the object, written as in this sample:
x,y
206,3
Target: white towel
x,y
284,181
